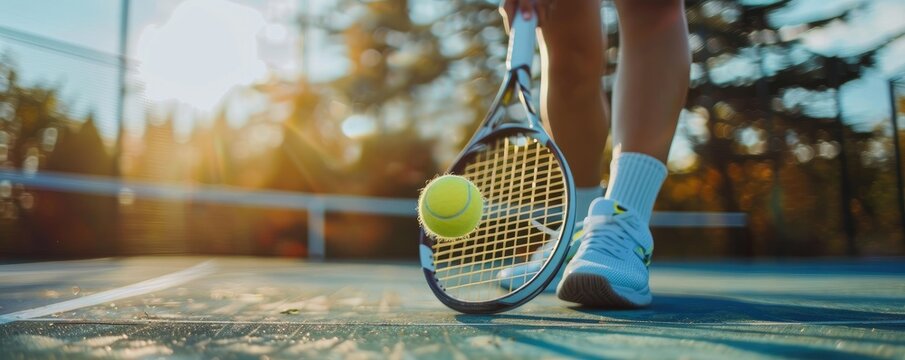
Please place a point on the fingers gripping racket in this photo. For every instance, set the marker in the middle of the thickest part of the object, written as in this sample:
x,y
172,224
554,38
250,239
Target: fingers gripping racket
x,y
528,191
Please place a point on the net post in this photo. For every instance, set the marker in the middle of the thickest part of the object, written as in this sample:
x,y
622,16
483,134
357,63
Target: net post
x,y
316,230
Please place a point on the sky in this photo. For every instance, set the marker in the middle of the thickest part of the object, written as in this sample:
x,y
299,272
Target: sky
x,y
86,86
218,52
246,41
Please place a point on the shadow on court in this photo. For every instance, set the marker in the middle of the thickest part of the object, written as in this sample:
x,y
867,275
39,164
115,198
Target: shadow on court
x,y
704,310
784,330
750,342
814,309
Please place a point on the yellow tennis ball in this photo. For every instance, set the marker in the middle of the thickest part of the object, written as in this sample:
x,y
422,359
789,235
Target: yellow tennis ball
x,y
450,207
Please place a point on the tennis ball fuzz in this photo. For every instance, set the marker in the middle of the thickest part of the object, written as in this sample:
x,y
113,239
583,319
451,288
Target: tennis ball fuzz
x,y
450,207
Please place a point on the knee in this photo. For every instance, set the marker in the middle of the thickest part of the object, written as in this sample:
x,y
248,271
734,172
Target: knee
x,y
579,65
574,46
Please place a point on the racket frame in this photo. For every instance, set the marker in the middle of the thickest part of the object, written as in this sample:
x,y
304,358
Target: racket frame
x,y
516,83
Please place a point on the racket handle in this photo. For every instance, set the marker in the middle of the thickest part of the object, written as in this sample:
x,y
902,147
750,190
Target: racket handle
x,y
522,41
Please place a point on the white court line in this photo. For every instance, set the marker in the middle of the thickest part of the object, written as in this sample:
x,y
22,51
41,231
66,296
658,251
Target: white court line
x,y
144,287
580,323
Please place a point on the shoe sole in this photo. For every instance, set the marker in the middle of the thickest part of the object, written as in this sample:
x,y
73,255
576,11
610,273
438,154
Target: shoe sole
x,y
594,290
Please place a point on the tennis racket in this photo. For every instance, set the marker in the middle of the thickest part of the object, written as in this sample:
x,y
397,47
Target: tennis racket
x,y
528,192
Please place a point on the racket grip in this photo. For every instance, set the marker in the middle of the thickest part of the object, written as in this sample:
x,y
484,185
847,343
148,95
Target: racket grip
x,y
522,41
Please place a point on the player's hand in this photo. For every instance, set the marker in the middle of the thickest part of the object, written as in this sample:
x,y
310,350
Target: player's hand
x,y
526,9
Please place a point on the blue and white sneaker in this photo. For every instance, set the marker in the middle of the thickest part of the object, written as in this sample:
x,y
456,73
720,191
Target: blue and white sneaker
x,y
610,266
510,278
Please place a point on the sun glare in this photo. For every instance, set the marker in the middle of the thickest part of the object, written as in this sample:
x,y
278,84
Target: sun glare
x,y
205,49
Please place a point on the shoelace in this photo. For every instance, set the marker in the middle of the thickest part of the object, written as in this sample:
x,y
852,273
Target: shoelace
x,y
609,233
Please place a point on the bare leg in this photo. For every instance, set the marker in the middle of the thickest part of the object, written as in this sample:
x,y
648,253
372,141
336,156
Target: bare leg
x,y
652,78
652,75
572,102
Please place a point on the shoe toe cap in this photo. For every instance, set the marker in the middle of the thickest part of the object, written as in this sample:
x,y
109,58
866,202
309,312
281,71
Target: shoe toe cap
x,y
512,276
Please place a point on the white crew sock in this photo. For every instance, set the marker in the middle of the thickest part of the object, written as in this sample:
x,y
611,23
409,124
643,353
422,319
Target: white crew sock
x,y
583,198
635,181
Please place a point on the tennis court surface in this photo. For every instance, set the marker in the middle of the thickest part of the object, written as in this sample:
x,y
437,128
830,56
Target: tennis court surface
x,y
188,307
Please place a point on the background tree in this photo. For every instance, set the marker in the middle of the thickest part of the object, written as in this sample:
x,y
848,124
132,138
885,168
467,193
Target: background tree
x,y
763,133
37,135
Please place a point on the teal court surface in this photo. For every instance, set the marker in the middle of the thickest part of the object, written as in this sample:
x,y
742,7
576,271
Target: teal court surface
x,y
259,308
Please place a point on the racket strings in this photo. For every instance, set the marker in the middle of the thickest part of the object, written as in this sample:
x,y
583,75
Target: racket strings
x,y
524,187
